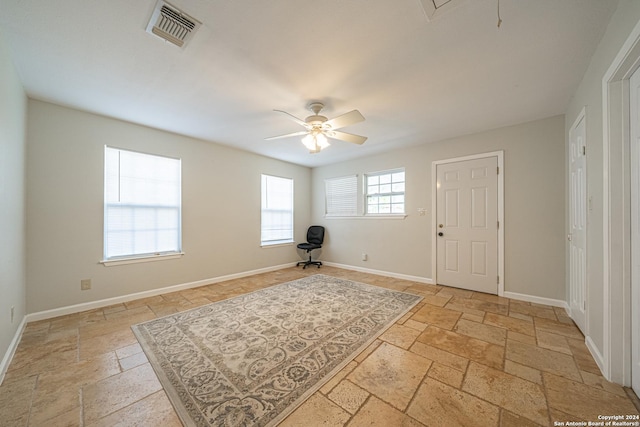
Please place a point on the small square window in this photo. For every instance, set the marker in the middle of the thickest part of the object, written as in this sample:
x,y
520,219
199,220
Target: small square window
x,y
385,192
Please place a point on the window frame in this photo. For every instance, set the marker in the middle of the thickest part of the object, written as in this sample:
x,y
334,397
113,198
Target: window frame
x,y
110,260
366,194
276,242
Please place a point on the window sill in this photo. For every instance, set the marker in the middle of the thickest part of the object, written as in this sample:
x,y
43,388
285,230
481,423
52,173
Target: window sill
x,y
369,216
276,245
136,260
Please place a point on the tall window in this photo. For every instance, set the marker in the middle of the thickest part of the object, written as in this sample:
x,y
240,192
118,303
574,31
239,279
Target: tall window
x,y
142,205
385,192
277,210
341,196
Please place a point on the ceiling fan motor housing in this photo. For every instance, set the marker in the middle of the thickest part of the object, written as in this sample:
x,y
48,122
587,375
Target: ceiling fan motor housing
x,y
315,120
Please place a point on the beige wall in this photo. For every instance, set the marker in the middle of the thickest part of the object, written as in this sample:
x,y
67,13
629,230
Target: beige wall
x,y
589,95
221,221
221,208
534,208
13,108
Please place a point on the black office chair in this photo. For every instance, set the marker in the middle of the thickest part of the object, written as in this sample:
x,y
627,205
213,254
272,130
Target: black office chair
x,y
315,237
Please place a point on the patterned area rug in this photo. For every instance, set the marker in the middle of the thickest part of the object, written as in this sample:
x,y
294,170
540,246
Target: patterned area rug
x,y
252,359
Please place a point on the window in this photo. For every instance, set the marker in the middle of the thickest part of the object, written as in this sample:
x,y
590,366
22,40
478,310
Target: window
x,y
142,205
277,210
341,196
384,192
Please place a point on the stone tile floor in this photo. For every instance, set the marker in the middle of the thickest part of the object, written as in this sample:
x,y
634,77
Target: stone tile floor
x,y
458,358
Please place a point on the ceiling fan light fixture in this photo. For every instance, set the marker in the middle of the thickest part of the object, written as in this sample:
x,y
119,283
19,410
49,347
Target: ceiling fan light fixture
x,y
318,128
309,142
315,142
322,141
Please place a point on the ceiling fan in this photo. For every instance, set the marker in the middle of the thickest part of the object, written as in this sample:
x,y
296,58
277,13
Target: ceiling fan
x,y
318,128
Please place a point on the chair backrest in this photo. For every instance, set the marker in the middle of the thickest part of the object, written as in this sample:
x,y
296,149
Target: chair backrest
x,y
315,234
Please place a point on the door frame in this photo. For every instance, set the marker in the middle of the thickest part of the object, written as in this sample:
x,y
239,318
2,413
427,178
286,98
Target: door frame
x,y
500,177
634,149
615,359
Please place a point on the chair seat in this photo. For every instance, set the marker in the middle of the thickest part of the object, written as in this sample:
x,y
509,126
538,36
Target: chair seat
x,y
309,246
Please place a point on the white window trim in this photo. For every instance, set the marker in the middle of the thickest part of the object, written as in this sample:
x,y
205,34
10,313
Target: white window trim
x,y
141,259
277,244
367,215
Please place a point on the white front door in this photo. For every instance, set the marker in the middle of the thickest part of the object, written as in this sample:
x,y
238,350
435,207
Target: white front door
x,y
467,224
578,222
634,110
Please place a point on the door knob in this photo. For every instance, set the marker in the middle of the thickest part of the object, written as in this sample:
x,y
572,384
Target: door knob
x,y
441,234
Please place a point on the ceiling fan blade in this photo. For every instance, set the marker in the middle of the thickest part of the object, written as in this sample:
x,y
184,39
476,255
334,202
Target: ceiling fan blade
x,y
294,118
349,137
302,132
347,119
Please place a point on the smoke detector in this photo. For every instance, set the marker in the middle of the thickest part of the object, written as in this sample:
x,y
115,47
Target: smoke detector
x,y
171,24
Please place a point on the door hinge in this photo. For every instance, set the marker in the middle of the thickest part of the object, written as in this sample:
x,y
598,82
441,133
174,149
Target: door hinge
x,y
498,281
498,170
498,225
584,150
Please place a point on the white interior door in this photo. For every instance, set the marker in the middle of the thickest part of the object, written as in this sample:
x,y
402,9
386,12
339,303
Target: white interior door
x,y
634,109
578,222
467,224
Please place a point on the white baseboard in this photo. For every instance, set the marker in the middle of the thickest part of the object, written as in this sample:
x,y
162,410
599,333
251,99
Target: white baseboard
x,y
13,346
380,273
48,314
513,295
597,356
538,300
76,308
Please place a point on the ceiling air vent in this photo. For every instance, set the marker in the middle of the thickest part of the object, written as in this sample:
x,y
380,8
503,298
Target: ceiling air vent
x,y
435,8
171,24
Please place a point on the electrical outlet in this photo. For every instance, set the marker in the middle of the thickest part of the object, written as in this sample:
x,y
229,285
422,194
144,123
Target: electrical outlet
x,y
364,256
13,309
85,284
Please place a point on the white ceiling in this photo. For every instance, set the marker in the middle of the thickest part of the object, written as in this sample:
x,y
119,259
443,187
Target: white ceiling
x,y
415,80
